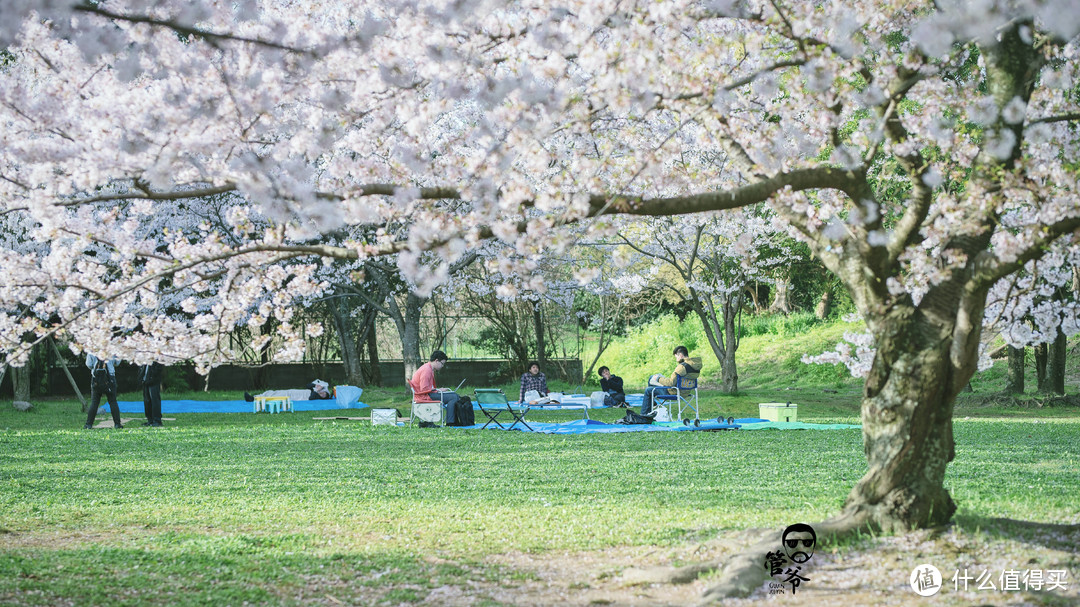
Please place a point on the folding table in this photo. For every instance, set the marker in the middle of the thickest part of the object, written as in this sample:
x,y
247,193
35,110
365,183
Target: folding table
x,y
493,403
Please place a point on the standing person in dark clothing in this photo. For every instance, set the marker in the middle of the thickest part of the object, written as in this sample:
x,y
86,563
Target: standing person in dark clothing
x,y
151,392
533,380
613,385
102,381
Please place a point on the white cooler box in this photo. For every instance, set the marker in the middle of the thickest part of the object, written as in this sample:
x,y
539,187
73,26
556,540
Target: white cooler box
x,y
384,417
779,412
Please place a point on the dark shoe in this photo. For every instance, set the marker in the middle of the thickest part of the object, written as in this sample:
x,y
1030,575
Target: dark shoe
x,y
157,424
249,398
147,423
87,427
118,426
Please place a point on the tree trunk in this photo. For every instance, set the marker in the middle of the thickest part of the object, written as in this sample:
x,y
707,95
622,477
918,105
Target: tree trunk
x,y
1014,380
824,305
350,356
781,303
410,334
1041,353
538,326
1056,364
729,375
907,431
374,374
721,332
20,381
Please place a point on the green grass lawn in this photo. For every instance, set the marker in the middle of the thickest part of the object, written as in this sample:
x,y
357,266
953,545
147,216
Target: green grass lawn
x,y
225,509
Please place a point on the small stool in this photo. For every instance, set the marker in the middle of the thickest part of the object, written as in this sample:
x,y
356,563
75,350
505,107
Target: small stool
x,y
273,404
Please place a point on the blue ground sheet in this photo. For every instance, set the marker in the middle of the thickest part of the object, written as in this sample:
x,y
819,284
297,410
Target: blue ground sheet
x,y
590,426
226,406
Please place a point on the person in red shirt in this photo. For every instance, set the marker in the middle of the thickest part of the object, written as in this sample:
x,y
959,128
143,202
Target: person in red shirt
x,y
424,390
423,380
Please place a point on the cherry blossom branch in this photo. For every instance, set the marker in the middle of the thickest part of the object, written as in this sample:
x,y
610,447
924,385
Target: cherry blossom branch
x,y
211,37
989,268
140,283
798,180
146,194
1062,118
922,196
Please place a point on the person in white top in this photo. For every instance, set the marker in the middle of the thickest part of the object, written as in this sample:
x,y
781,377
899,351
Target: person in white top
x,y
102,381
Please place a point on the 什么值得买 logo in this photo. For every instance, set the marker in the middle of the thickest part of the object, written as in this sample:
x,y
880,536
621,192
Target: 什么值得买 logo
x,y
797,547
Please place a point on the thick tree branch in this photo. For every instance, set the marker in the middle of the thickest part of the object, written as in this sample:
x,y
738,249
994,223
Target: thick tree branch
x,y
798,180
189,30
1062,118
922,196
989,268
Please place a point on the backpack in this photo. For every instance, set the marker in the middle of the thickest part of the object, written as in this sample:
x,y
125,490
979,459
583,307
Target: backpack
x,y
100,376
462,414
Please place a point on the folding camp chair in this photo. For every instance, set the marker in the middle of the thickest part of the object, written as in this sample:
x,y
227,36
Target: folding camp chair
x,y
493,403
424,412
684,399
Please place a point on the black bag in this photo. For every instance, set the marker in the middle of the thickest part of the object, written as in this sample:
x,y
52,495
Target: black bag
x,y
462,414
100,378
633,418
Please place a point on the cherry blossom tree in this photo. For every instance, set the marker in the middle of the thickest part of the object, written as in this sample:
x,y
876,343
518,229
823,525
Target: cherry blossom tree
x,y
923,151
716,258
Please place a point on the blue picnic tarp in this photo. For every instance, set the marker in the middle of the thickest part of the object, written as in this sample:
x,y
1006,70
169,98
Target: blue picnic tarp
x,y
226,406
347,397
591,426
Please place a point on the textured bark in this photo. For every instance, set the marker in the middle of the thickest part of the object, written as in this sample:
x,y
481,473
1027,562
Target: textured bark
x,y
907,429
781,303
824,305
374,373
20,380
350,356
1041,357
409,330
1014,379
729,374
721,332
1056,365
538,327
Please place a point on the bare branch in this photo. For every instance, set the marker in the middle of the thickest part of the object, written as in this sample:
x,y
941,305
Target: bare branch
x,y
180,28
989,269
147,195
1062,118
798,180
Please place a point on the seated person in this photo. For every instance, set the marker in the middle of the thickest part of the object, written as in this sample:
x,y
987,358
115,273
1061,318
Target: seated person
x,y
316,390
685,367
534,380
613,386
423,385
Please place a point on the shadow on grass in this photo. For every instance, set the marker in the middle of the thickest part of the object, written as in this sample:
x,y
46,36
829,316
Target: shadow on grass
x,y
1054,536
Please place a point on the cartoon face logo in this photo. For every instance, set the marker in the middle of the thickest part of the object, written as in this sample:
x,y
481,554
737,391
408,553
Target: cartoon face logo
x,y
799,540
